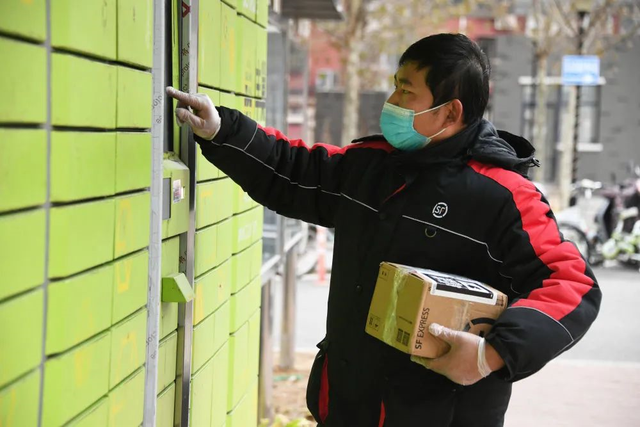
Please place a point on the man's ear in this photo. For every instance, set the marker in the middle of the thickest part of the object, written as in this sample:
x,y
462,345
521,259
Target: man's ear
x,y
455,113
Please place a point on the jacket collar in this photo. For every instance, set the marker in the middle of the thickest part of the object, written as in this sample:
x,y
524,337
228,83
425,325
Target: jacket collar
x,y
478,141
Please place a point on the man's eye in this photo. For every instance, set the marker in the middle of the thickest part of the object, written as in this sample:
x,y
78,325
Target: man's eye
x,y
405,92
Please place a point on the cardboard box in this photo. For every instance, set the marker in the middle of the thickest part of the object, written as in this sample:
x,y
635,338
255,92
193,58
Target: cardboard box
x,y
408,299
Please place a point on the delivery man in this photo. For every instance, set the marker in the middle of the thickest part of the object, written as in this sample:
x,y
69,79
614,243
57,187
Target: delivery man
x,y
440,189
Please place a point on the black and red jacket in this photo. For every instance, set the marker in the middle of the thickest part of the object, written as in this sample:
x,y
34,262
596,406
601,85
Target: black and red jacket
x,y
462,206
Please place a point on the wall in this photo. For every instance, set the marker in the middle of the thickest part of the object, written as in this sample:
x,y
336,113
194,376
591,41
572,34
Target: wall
x,y
619,119
619,122
75,169
329,107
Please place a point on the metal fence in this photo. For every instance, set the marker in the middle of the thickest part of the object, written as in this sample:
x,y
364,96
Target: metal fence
x,y
281,240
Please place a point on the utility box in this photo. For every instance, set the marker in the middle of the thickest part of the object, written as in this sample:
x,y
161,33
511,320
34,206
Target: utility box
x,y
175,197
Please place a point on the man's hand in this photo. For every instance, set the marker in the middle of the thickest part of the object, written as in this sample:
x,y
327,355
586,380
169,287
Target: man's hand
x,y
463,363
204,120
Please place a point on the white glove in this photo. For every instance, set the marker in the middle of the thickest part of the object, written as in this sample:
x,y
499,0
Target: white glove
x,y
465,363
204,120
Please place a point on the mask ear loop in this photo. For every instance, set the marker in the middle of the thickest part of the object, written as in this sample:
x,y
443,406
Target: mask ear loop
x,y
434,135
432,109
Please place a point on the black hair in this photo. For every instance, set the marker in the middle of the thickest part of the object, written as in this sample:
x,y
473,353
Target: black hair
x,y
457,68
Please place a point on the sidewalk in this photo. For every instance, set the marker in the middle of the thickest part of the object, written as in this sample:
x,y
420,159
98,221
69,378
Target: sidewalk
x,y
578,393
566,393
597,383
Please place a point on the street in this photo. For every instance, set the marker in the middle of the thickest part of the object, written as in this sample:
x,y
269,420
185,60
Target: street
x,y
596,383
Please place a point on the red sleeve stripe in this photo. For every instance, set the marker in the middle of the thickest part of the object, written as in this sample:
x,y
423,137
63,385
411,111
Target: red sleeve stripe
x,y
331,149
563,290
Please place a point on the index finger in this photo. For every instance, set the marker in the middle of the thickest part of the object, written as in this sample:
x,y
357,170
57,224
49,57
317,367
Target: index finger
x,y
190,100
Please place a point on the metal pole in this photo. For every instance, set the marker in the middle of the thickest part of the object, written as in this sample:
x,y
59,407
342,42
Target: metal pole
x,y
158,136
188,36
265,405
287,341
576,125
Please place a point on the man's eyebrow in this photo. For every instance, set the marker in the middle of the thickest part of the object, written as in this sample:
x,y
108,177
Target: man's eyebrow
x,y
402,80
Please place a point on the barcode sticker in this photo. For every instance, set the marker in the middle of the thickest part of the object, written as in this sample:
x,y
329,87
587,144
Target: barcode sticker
x,y
452,286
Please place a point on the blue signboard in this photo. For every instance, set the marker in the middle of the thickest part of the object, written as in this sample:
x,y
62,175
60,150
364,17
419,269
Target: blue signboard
x,y
580,70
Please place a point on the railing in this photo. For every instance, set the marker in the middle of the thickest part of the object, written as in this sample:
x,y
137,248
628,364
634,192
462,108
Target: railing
x,y
282,238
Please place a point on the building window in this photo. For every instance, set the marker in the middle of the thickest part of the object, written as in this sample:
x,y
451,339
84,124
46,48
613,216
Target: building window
x,y
326,79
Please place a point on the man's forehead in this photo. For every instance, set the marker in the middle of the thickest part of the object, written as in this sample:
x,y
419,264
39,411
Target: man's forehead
x,y
409,74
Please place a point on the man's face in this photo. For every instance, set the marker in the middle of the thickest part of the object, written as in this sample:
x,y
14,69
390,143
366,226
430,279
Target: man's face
x,y
413,93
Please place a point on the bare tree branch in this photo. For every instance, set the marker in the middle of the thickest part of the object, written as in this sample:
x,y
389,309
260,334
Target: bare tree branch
x,y
600,14
634,31
564,15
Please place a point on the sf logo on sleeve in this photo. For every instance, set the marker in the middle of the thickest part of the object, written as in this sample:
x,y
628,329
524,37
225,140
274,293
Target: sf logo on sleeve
x,y
440,210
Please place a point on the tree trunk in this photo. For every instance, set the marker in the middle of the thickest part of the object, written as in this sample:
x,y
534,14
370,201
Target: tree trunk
x,y
540,119
356,23
566,156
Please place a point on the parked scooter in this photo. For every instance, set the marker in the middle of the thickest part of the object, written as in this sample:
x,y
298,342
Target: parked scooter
x,y
590,219
624,243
